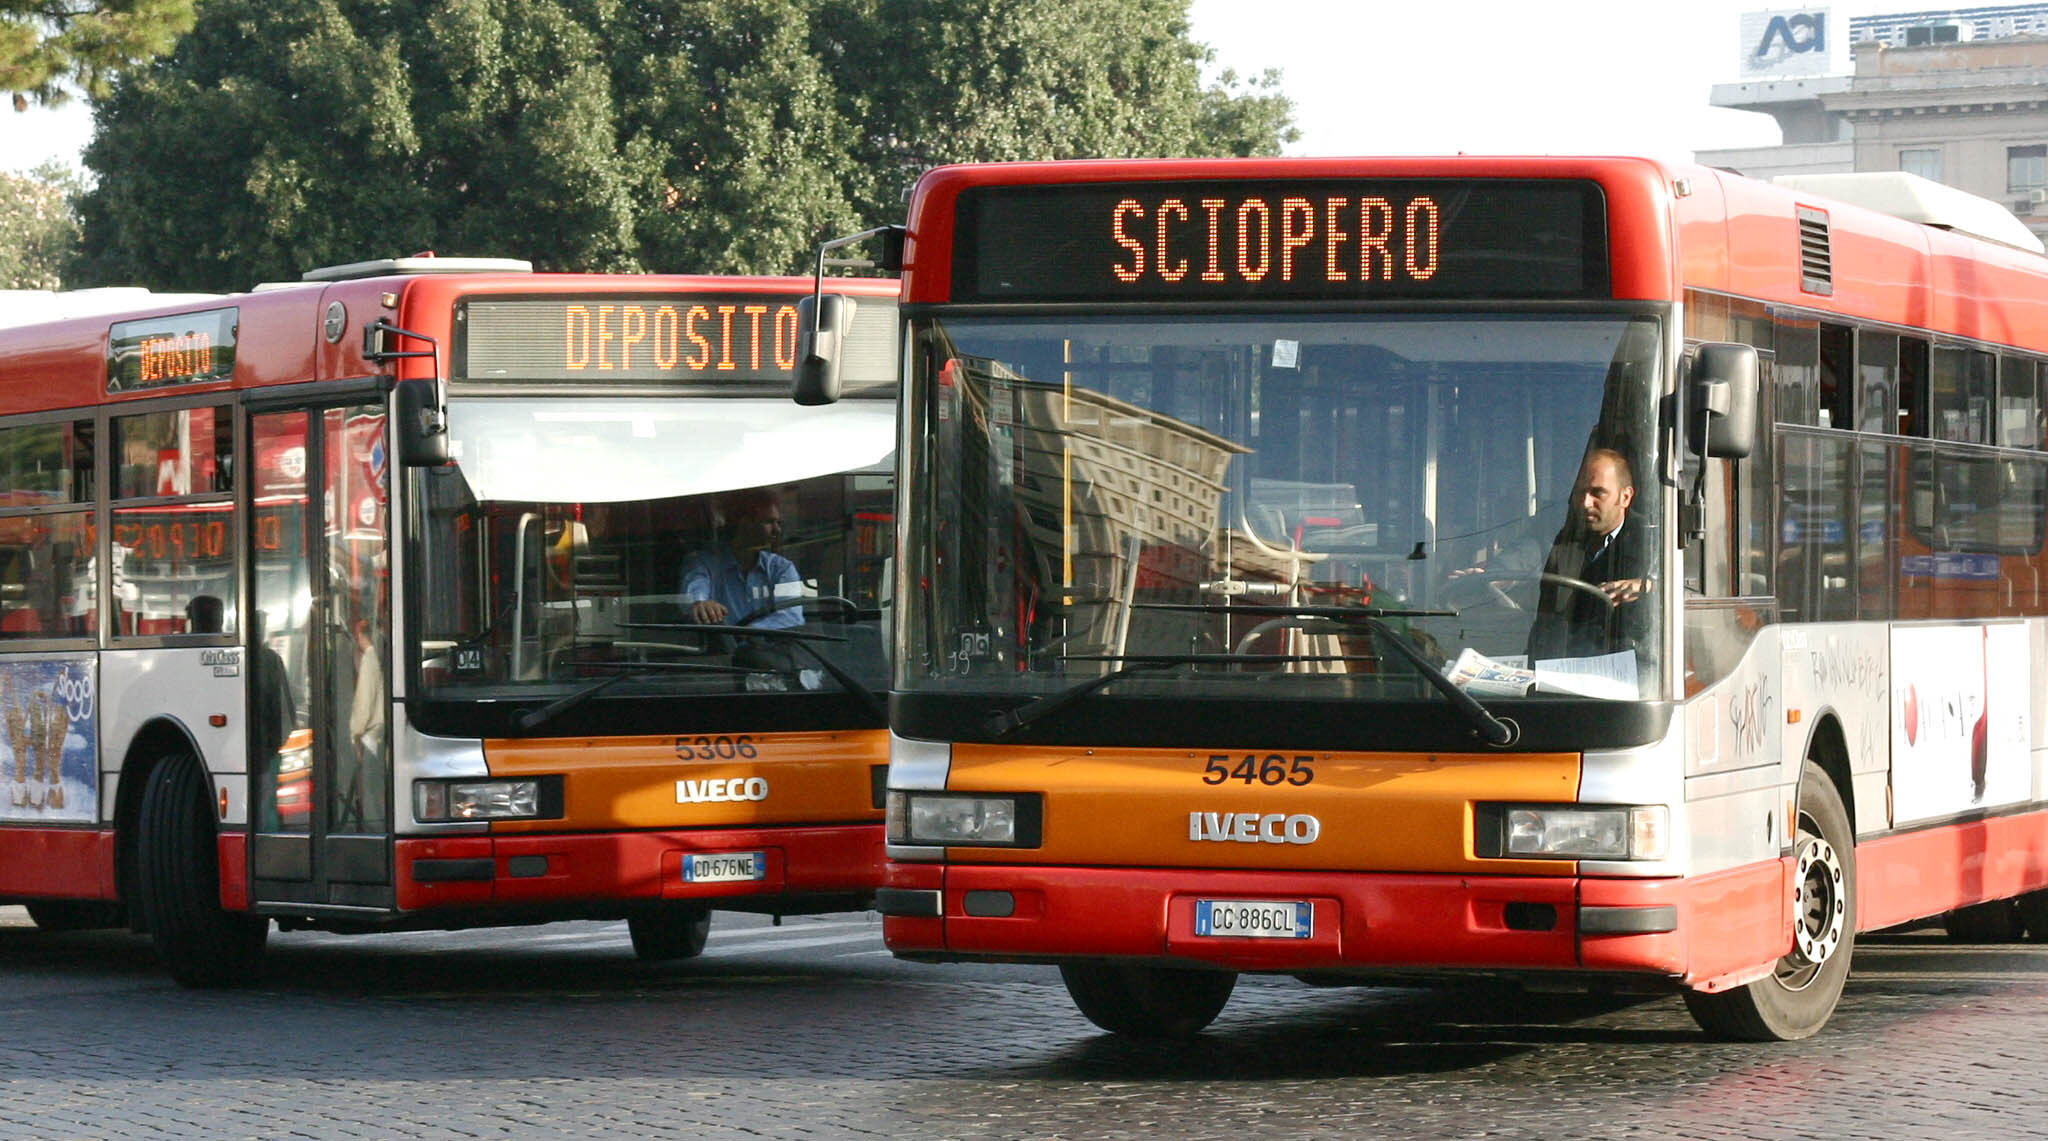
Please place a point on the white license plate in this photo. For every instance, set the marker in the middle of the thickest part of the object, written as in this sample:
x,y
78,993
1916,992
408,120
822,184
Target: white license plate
x,y
725,867
1254,918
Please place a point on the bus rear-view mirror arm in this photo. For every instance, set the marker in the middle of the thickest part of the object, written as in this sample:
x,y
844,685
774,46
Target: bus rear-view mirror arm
x,y
420,409
823,319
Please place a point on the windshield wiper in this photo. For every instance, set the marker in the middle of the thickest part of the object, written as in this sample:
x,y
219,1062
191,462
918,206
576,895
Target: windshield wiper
x,y
1493,730
1007,720
533,719
802,639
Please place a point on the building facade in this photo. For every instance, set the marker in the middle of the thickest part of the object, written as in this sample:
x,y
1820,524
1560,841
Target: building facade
x,y
1959,96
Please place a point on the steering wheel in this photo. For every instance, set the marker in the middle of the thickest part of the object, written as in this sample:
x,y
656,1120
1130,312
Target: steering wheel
x,y
1493,583
844,606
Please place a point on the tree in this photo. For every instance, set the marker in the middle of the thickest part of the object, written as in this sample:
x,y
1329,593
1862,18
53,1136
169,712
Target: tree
x,y
38,231
46,45
670,135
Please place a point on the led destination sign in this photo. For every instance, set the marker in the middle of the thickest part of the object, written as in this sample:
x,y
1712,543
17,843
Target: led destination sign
x,y
622,340
155,352
1359,239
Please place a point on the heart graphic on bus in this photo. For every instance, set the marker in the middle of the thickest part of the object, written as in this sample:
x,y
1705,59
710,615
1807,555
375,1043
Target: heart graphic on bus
x,y
1912,714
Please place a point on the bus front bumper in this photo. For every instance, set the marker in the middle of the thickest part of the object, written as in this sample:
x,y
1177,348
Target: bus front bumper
x,y
1697,930
538,869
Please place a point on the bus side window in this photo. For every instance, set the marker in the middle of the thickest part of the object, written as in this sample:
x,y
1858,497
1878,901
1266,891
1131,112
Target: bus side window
x,y
2018,410
1877,382
1913,416
1798,384
1837,376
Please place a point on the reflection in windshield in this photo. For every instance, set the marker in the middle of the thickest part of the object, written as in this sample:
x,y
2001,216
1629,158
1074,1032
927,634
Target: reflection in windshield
x,y
671,547
1098,489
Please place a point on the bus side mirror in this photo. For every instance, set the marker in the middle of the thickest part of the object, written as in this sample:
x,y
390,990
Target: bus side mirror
x,y
821,321
1721,409
420,432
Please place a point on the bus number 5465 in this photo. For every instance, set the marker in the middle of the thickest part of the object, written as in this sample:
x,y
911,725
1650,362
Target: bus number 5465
x,y
1271,769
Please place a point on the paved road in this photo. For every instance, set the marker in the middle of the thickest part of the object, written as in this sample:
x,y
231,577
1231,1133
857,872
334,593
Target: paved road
x,y
811,1030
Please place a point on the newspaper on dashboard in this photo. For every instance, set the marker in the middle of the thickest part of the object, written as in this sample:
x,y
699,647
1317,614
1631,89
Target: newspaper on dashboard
x,y
1610,676
1476,673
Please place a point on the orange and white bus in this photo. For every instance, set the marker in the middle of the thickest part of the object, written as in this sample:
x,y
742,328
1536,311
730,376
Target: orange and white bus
x,y
1241,505
360,603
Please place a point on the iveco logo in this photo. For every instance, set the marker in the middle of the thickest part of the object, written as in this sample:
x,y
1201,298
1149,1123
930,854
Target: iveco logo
x,y
721,791
1254,828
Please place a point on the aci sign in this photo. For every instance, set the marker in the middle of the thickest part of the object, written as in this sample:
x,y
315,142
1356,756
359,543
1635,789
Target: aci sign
x,y
1792,42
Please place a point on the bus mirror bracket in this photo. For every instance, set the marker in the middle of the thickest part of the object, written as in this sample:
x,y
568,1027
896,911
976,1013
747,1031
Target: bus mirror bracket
x,y
823,320
1722,405
420,427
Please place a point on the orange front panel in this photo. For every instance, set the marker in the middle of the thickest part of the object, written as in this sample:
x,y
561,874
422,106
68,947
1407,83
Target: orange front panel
x,y
712,781
1176,808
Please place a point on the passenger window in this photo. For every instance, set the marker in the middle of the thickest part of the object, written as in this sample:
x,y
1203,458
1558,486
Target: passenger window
x,y
2018,403
1913,418
1798,371
1837,377
1877,372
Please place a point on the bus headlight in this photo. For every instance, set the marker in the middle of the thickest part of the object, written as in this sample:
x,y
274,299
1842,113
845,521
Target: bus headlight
x,y
527,798
1573,832
966,819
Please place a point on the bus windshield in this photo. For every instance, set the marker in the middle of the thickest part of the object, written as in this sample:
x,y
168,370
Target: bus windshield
x,y
576,542
1252,507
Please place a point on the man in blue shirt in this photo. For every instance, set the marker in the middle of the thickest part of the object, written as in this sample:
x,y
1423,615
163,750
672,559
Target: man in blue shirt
x,y
744,576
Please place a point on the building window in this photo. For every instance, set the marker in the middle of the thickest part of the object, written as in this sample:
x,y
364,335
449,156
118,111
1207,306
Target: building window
x,y
1923,161
2026,168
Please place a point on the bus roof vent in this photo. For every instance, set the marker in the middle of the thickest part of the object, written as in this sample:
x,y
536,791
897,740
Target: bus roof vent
x,y
1919,200
1816,267
418,263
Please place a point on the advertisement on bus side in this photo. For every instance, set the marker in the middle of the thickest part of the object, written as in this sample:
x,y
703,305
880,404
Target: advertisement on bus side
x,y
46,741
1959,719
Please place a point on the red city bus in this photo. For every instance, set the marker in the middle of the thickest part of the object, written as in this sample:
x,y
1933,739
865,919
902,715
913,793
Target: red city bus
x,y
372,602
1377,569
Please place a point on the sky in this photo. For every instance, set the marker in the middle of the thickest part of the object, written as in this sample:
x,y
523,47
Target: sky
x,y
1398,77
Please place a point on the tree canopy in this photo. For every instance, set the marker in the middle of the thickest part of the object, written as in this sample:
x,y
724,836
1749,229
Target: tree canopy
x,y
615,135
38,233
46,45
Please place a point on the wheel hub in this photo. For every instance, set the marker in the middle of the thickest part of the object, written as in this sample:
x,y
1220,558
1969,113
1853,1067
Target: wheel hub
x,y
1820,902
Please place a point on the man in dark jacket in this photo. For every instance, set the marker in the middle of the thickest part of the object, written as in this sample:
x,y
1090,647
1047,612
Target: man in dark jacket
x,y
1607,609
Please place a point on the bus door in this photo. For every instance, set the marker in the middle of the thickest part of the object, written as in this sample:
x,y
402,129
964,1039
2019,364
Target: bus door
x,y
320,777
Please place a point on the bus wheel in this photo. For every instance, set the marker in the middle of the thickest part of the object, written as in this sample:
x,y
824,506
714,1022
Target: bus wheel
x,y
74,914
670,931
1148,1002
1797,997
1995,922
178,882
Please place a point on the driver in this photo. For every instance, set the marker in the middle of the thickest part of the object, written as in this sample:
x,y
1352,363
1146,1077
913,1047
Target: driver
x,y
1600,550
743,576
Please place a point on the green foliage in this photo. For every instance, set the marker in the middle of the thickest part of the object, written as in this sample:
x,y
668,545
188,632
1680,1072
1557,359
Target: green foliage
x,y
38,231
46,45
614,135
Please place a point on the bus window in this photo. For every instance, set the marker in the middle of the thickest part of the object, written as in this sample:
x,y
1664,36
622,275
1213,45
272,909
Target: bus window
x,y
2018,408
1837,376
1912,407
1877,371
1798,370
1962,385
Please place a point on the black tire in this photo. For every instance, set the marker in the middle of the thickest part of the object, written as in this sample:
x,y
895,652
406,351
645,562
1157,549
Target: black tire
x,y
1997,921
669,932
178,883
75,914
1148,1002
1795,1000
